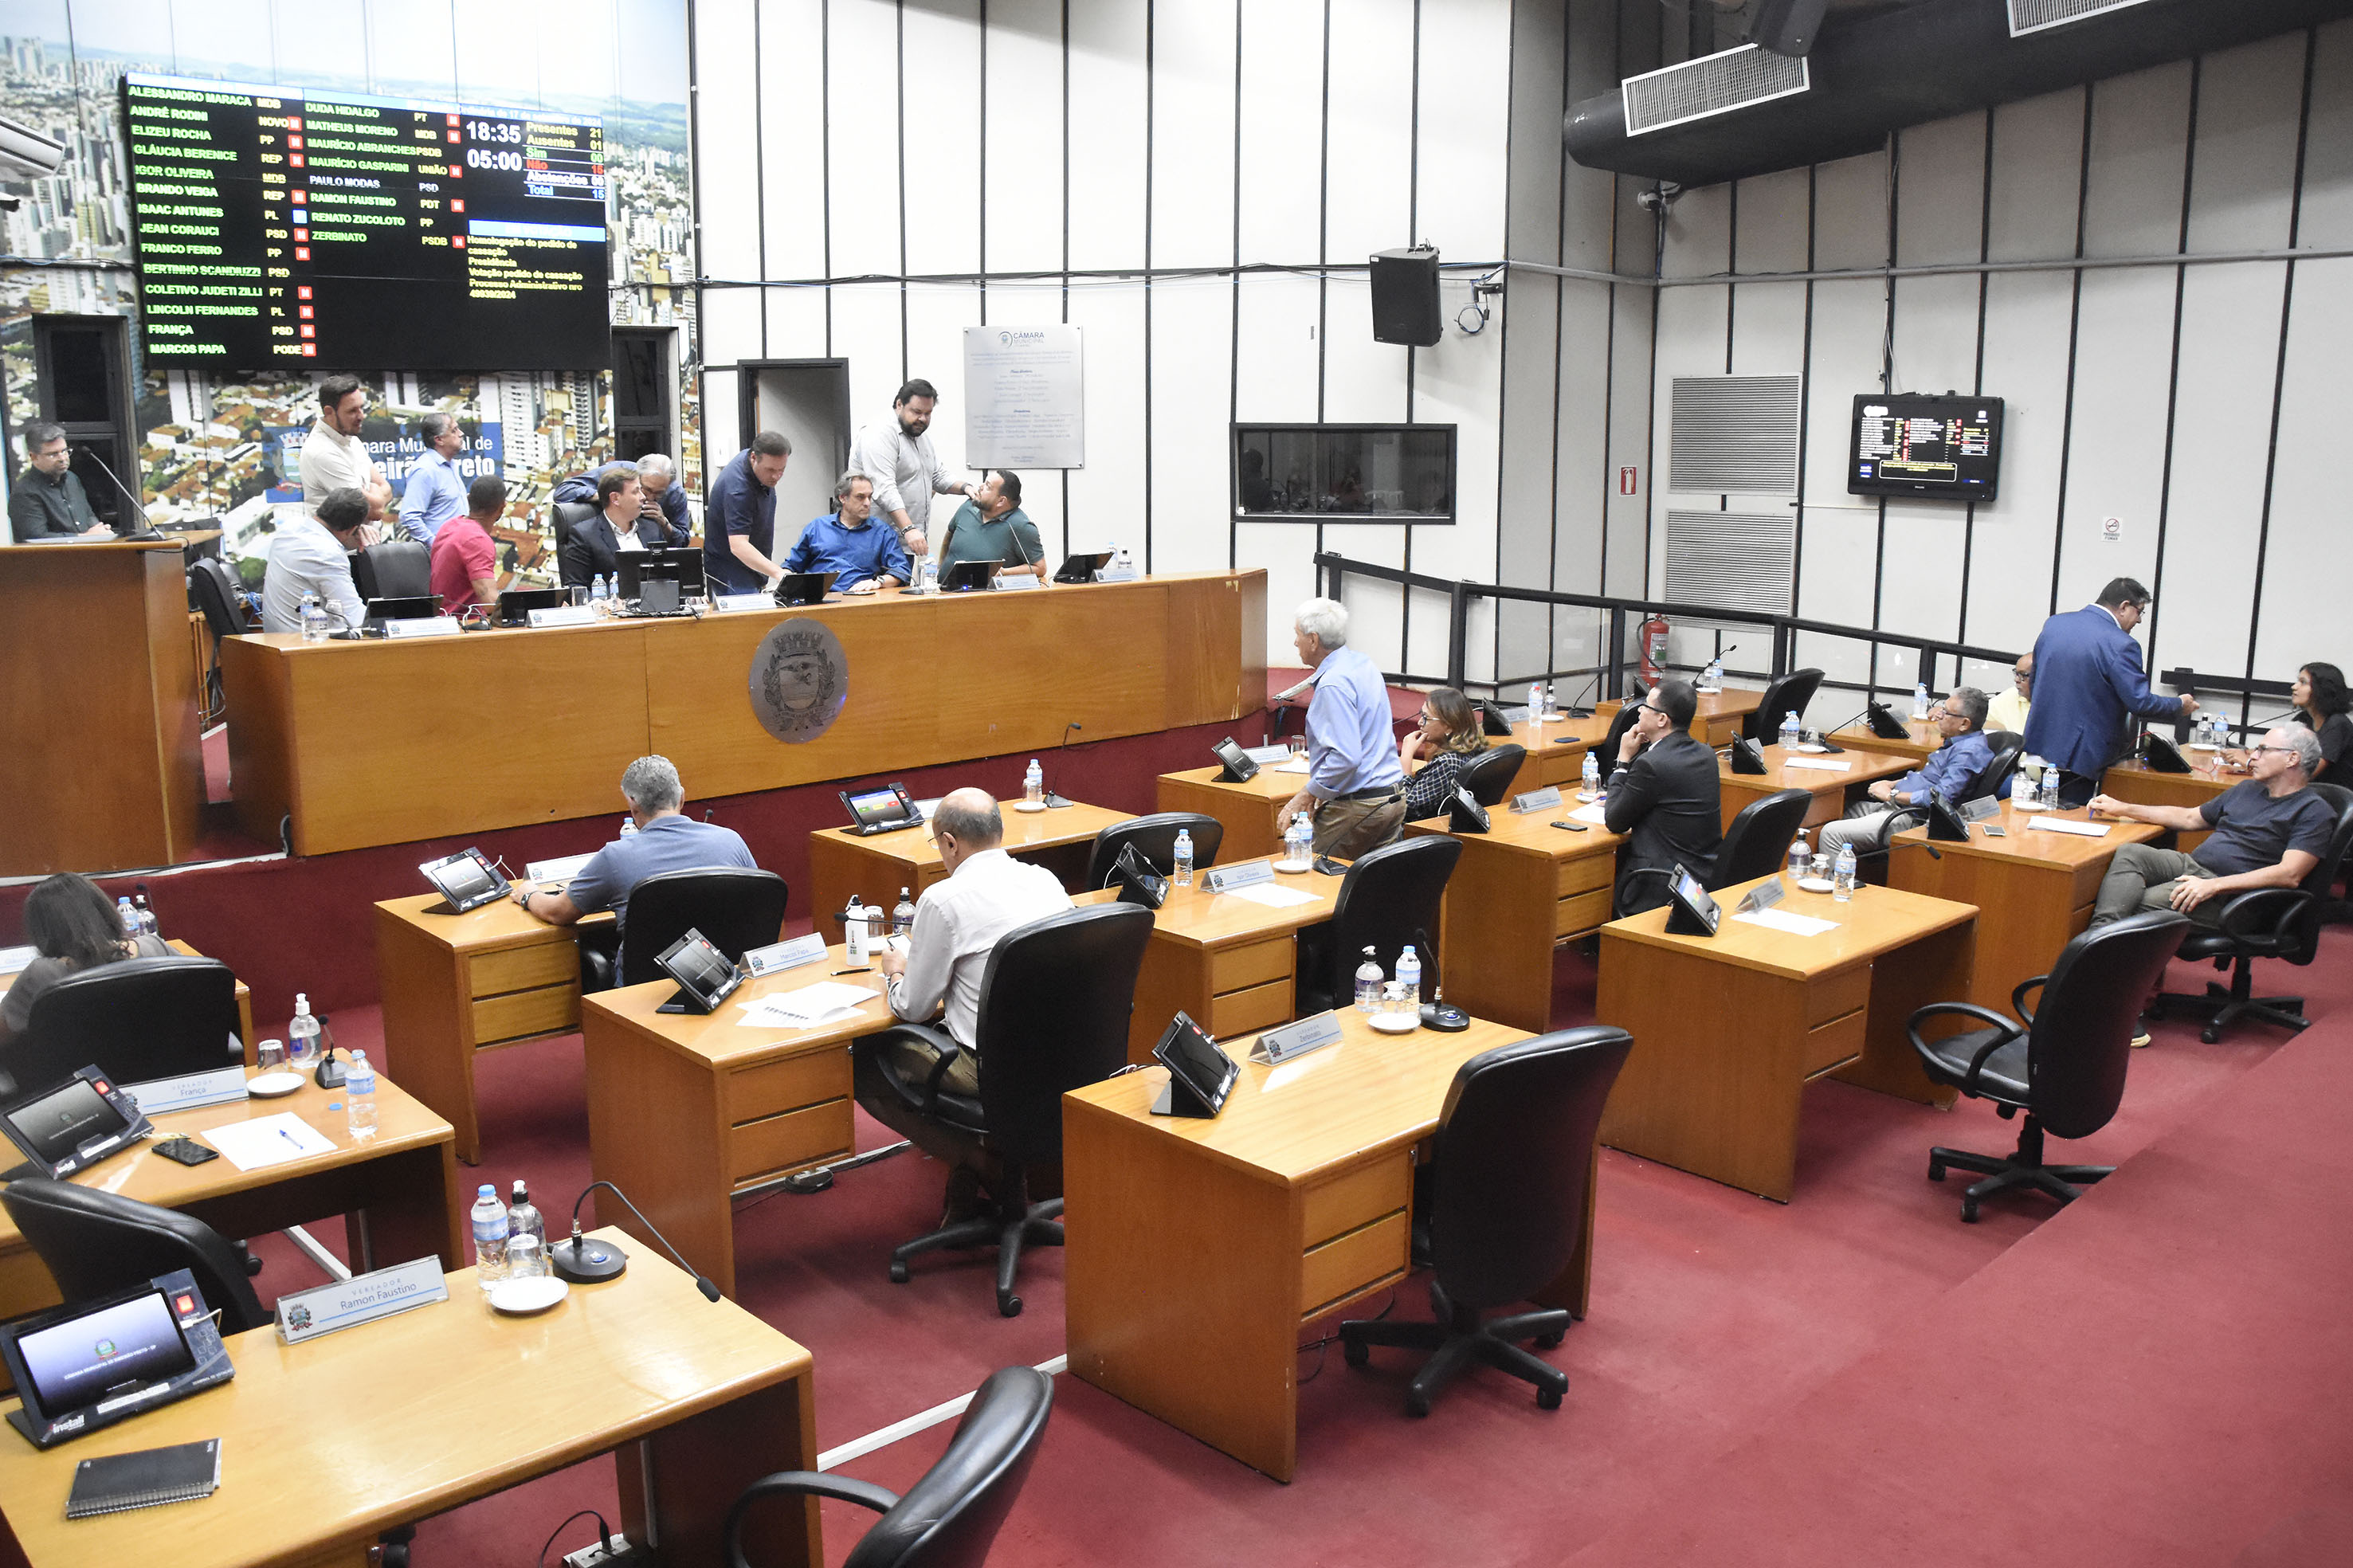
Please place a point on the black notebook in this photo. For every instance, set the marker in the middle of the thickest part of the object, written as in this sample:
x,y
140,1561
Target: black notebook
x,y
147,1478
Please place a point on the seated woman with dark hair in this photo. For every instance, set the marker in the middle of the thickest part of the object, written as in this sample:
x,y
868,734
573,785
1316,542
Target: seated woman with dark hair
x,y
73,926
1449,735
2325,707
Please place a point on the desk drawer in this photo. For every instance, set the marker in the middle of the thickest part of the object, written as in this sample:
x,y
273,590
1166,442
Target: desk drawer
x,y
519,1014
1353,1263
779,1143
1828,1045
1835,995
1354,1198
1584,874
1260,1007
787,1085
1237,968
523,968
1584,913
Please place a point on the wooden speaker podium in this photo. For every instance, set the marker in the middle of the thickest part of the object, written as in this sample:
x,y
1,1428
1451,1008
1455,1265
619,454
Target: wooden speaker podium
x,y
102,768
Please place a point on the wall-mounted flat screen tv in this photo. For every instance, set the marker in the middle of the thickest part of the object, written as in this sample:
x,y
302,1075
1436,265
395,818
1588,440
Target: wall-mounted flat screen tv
x,y
1910,444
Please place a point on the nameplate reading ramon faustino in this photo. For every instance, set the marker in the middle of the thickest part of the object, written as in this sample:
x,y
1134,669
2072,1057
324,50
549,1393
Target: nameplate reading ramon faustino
x,y
800,679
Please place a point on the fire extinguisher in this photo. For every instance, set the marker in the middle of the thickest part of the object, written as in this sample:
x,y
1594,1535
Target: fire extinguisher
x,y
1654,649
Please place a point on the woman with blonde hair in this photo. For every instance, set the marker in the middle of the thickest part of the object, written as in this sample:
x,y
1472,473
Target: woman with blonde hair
x,y
1450,735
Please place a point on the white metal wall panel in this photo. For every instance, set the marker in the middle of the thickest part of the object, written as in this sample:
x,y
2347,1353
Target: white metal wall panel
x,y
2327,214
939,79
2245,169
1281,130
1368,168
862,66
937,315
1773,223
1023,216
2037,166
1193,134
2132,205
1191,327
2308,561
1944,162
2026,364
1108,89
792,129
1699,234
2117,455
1107,495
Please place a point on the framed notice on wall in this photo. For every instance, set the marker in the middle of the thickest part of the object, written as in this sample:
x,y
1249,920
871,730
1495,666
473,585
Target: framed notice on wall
x,y
1024,397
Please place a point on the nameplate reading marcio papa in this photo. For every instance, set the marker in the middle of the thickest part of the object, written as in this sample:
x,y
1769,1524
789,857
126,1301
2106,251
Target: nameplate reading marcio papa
x,y
800,679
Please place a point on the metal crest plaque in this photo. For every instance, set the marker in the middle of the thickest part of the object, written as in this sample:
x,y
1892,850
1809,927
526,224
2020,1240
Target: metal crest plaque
x,y
800,679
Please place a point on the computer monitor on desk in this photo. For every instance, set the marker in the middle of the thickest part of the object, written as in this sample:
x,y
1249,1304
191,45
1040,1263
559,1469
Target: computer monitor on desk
x,y
683,567
408,607
516,604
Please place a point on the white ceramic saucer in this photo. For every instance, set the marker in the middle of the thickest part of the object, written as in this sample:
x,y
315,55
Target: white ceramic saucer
x,y
1028,805
522,1297
1395,1023
1815,884
270,1085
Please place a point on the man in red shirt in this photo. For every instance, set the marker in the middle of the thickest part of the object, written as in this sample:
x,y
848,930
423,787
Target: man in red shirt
x,y
465,556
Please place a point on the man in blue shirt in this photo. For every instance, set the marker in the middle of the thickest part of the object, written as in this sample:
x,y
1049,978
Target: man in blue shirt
x,y
666,840
1950,772
848,542
1356,785
662,495
739,518
434,494
2087,677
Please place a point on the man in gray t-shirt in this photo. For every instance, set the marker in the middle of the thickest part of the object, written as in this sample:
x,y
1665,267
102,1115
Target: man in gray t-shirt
x,y
665,840
2269,832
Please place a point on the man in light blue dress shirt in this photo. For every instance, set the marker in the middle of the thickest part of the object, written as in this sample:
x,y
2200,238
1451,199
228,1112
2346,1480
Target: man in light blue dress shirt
x,y
434,494
1356,785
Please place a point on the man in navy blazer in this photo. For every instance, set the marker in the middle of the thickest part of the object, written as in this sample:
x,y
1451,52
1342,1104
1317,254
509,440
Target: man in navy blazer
x,y
2087,678
596,544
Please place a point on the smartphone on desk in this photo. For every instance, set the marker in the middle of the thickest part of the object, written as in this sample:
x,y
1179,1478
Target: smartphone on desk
x,y
1571,826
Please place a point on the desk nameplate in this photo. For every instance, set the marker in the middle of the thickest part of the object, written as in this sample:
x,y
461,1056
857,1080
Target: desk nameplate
x,y
189,1090
423,626
1536,799
785,956
361,1298
1226,878
1294,1040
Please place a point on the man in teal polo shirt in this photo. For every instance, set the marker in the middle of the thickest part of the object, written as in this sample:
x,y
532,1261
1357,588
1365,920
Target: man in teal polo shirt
x,y
991,526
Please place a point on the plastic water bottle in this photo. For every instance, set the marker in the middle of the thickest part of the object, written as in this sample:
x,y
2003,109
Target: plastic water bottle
x,y
301,1035
1790,730
1033,784
630,826
147,923
1713,676
314,619
1408,974
1124,565
1842,874
128,916
1919,700
359,1096
1184,858
1368,984
1298,842
489,1221
523,1218
853,930
1588,785
1800,858
902,919
1535,701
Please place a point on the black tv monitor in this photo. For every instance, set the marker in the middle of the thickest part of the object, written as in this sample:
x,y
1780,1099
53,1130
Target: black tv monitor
x,y
682,566
1912,444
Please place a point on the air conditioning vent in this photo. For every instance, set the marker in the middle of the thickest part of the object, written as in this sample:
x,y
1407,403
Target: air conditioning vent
x,y
2037,15
1733,434
1715,84
1732,561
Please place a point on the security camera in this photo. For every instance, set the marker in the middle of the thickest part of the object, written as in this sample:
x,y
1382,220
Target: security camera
x,y
1659,198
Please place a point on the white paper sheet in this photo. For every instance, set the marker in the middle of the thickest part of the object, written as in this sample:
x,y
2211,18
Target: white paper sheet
x,y
1818,765
809,1008
14,960
267,1140
1296,765
1782,919
1274,895
2065,825
1592,813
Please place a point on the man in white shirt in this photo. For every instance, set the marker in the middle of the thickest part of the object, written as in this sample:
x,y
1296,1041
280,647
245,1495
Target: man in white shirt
x,y
312,555
335,458
898,456
2009,710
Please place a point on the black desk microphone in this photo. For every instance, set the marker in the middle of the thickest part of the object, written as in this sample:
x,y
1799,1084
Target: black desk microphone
x,y
586,1261
139,530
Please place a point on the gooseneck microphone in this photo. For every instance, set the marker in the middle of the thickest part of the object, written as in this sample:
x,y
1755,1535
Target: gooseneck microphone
x,y
586,1261
138,508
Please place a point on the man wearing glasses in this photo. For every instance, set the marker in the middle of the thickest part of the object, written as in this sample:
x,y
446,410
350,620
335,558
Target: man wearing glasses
x,y
2090,674
1951,771
2268,832
1666,796
2009,710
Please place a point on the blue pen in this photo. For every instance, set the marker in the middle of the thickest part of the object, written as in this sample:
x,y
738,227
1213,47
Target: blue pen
x,y
290,1139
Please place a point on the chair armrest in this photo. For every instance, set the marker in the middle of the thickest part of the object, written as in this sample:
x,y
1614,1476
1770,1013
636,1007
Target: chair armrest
x,y
2018,997
2008,1026
2265,916
920,1100
792,1483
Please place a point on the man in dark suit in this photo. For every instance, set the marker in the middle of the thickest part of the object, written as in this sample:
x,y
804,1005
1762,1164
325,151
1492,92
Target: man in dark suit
x,y
2087,677
596,544
1666,794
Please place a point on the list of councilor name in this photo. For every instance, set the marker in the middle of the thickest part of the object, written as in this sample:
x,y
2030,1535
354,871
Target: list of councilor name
x,y
275,226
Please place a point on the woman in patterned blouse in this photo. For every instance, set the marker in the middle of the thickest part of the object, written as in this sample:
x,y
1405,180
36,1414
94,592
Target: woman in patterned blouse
x,y
1449,735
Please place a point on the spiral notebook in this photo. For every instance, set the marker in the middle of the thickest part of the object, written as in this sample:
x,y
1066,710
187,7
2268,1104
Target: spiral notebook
x,y
147,1478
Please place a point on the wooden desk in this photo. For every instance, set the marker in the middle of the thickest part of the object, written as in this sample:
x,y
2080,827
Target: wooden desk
x,y
2043,884
1518,891
397,1190
2136,782
1197,1250
1247,811
1728,1030
1921,737
1832,792
455,984
324,1446
101,770
314,727
1549,761
841,862
1228,962
244,998
685,1111
1718,719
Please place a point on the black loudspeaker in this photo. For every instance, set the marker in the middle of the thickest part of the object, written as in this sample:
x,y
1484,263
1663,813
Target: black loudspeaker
x,y
1404,297
1786,26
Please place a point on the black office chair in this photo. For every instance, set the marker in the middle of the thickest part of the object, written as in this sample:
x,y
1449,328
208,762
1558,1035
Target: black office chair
x,y
140,1020
2063,1066
950,1516
1054,1005
213,589
1387,895
1155,838
1758,842
1513,1154
1787,693
2267,922
396,569
564,516
95,1243
2002,766
1488,777
1606,748
735,908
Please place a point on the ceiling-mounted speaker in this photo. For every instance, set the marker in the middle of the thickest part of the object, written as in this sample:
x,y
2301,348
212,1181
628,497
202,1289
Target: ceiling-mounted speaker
x,y
1786,26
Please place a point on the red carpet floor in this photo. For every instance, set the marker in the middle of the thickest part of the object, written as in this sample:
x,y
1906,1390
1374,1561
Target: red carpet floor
x,y
1756,1383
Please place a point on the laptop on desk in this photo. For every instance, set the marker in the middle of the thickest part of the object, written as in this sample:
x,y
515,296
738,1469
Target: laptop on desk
x,y
805,587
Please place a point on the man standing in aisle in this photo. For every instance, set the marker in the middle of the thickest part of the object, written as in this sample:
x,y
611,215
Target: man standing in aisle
x,y
848,542
898,456
47,500
739,518
434,494
991,526
465,557
2088,678
335,458
1356,785
2009,711
1666,794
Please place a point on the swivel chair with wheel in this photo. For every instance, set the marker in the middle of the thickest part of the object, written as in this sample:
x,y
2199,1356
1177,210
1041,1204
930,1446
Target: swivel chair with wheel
x,y
736,908
139,1019
95,1243
1154,838
1387,895
1787,693
1758,839
1488,777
